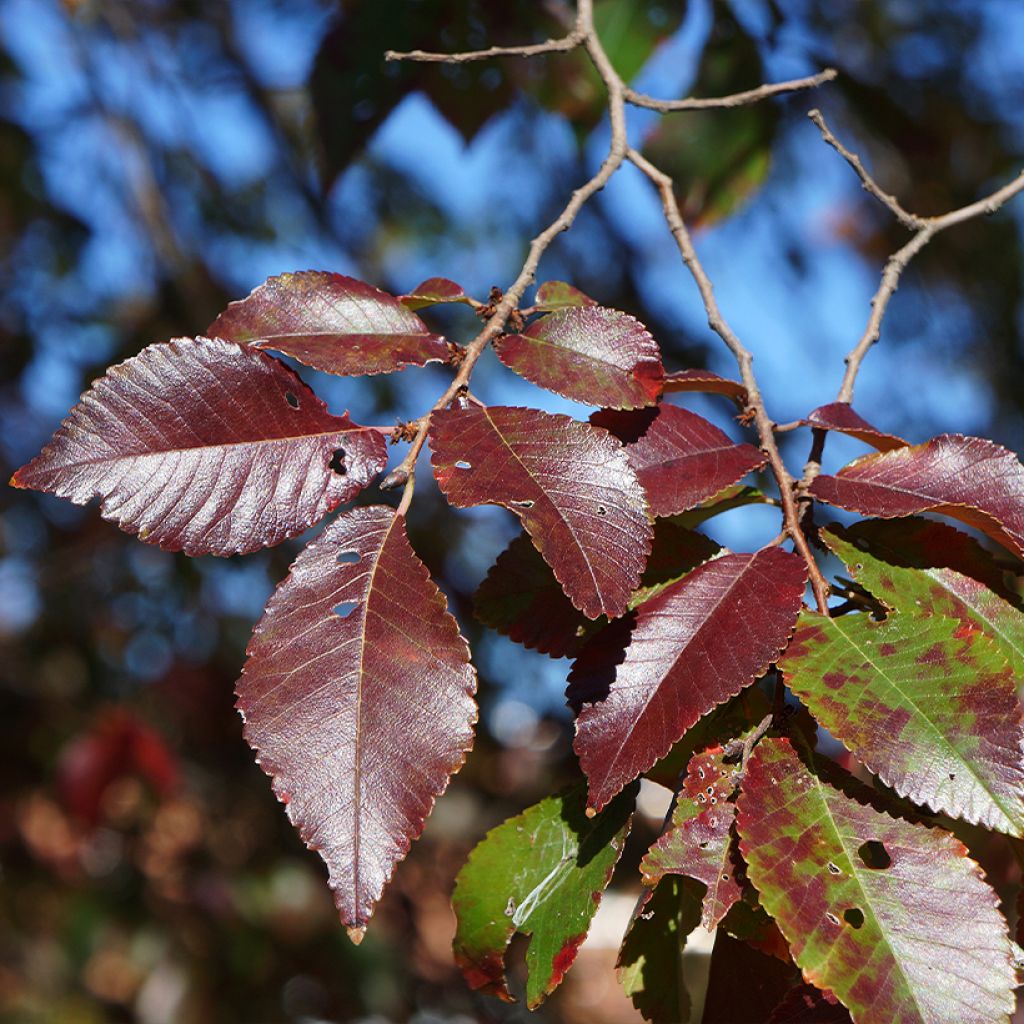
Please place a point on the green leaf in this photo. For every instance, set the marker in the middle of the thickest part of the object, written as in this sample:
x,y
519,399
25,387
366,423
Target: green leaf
x,y
650,964
554,295
923,700
965,581
542,874
894,918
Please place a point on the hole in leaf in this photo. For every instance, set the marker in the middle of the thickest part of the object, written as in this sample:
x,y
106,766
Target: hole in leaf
x,y
522,504
832,917
952,776
601,510
463,464
292,399
874,855
854,917
337,463
703,845
349,557
834,868
345,609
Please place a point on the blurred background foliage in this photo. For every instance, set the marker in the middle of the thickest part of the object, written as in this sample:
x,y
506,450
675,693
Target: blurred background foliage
x,y
159,158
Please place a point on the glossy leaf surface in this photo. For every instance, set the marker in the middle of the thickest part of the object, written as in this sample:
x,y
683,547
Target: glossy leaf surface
x,y
569,483
552,295
840,416
201,446
542,874
332,323
968,478
965,581
706,382
699,841
432,292
894,918
680,458
593,355
928,705
650,962
357,696
643,682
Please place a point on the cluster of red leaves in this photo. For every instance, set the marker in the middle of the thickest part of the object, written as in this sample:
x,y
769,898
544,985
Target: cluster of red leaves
x,y
357,693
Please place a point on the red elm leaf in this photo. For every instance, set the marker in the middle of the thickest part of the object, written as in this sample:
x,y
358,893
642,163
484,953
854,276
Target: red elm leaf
x,y
893,918
840,416
650,959
691,648
332,323
569,483
593,355
205,447
968,478
541,874
521,598
553,295
432,292
929,705
357,697
706,382
744,984
736,496
806,1004
680,458
965,581
699,842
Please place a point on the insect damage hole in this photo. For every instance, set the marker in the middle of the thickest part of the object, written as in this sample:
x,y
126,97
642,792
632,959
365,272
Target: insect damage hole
x,y
463,464
601,510
337,463
349,557
854,917
292,399
874,855
525,503
345,609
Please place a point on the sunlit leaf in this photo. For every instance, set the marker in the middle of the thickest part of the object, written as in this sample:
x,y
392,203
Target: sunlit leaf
x,y
965,581
644,680
894,918
434,291
206,447
590,354
332,323
650,962
357,696
968,478
552,295
680,458
927,703
699,841
569,483
542,874
841,417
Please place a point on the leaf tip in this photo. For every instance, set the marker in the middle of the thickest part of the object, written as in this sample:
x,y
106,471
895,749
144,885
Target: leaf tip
x,y
591,812
356,933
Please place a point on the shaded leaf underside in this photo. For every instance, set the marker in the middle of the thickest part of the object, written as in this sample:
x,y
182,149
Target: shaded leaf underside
x,y
840,416
918,941
201,446
357,696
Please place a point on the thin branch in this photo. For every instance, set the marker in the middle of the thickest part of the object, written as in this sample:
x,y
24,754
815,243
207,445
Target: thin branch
x,y
573,40
744,359
736,99
911,221
405,472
